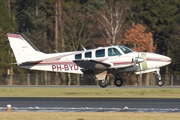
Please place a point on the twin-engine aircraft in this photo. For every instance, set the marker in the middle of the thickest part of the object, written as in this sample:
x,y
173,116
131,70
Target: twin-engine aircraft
x,y
98,62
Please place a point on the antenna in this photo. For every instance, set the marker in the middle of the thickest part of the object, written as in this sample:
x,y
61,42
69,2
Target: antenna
x,y
56,51
83,47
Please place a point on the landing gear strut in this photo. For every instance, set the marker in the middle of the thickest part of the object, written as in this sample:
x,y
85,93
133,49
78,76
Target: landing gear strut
x,y
160,82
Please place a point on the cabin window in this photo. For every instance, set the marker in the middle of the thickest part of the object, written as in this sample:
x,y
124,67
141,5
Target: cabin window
x,y
125,49
78,56
88,55
100,53
113,52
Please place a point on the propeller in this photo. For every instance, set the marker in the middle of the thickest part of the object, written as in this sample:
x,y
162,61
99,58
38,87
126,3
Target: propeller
x,y
138,60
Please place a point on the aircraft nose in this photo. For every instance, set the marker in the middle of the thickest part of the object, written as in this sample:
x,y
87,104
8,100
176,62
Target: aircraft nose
x,y
158,60
168,60
164,59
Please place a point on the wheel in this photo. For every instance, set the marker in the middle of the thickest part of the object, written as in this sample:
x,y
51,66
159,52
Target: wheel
x,y
118,82
160,83
103,83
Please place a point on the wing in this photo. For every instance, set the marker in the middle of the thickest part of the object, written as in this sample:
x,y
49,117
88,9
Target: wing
x,y
91,65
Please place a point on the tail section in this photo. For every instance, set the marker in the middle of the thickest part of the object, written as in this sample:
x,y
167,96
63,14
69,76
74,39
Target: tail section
x,y
24,51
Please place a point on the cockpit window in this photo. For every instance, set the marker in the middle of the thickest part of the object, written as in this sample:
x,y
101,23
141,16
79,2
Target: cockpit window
x,y
125,49
113,52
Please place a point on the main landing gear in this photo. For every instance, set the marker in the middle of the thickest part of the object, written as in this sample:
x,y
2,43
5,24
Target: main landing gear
x,y
118,82
104,83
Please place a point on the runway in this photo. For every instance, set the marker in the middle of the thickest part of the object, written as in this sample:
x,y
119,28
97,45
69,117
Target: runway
x,y
91,104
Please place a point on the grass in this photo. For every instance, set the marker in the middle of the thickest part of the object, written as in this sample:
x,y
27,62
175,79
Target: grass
x,y
125,92
87,116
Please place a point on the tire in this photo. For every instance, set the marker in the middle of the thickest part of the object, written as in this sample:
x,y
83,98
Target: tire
x,y
118,82
103,83
160,83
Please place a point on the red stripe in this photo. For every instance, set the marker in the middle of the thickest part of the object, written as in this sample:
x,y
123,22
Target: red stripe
x,y
53,63
158,59
15,36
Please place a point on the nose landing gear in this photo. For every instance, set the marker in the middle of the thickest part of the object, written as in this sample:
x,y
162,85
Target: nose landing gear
x,y
159,82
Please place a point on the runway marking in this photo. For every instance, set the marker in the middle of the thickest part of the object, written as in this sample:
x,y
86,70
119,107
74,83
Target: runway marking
x,y
86,109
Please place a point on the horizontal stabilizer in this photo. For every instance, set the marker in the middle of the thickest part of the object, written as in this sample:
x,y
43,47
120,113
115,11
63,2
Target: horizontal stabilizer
x,y
30,62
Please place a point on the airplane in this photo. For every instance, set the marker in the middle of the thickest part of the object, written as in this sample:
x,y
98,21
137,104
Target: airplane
x,y
98,62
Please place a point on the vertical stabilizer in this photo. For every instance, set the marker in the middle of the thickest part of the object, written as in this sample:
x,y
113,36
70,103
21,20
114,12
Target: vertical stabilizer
x,y
24,51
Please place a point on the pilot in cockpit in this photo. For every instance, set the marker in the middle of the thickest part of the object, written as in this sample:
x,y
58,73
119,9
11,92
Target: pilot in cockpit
x,y
111,52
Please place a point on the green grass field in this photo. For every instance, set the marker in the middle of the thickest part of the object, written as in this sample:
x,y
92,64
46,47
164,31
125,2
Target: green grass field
x,y
127,92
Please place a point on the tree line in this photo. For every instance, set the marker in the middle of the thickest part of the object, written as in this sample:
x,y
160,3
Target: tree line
x,y
65,25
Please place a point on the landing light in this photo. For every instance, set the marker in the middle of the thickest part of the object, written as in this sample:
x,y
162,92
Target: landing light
x,y
125,108
9,107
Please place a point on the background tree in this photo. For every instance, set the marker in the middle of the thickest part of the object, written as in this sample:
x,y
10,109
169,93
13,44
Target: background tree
x,y
175,50
110,20
139,40
77,27
160,17
32,17
6,25
32,21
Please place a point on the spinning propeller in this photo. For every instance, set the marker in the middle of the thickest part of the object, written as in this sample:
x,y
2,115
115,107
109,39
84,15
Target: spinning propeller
x,y
138,60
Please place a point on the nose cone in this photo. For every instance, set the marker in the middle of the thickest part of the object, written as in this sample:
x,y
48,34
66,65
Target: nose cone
x,y
159,60
164,59
167,60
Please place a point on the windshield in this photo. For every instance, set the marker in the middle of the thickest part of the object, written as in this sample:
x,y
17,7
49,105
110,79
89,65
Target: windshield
x,y
125,49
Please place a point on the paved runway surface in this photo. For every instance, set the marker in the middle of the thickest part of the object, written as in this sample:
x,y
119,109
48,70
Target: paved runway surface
x,y
92,104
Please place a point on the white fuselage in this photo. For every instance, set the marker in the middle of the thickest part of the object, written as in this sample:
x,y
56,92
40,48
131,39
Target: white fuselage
x,y
120,62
